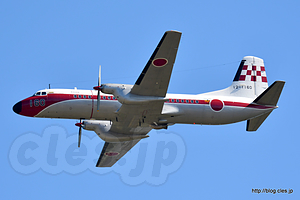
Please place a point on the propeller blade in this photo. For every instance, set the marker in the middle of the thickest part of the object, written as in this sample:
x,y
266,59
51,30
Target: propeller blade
x,y
99,87
99,84
98,101
99,78
79,134
79,137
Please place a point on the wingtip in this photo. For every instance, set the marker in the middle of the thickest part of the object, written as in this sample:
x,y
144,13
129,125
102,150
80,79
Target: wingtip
x,y
173,31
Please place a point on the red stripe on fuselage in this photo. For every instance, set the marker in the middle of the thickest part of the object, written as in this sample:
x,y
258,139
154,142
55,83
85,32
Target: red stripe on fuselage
x,y
31,106
226,103
250,105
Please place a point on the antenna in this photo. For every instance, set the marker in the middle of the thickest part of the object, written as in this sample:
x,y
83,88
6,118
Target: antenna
x,y
49,85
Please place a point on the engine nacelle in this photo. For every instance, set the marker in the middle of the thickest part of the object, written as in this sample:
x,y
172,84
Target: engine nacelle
x,y
122,93
162,124
159,126
115,88
102,129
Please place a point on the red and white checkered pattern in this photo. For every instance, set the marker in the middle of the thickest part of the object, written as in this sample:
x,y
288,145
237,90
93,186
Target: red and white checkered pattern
x,y
253,73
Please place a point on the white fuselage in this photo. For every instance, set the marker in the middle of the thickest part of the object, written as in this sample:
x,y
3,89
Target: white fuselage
x,y
178,108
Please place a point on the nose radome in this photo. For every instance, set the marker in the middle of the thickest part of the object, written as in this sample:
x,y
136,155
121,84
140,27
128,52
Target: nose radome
x,y
18,107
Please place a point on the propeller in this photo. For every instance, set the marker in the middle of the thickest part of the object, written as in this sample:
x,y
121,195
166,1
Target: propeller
x,y
80,125
99,87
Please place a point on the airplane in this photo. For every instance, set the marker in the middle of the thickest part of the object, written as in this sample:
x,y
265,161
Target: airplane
x,y
122,114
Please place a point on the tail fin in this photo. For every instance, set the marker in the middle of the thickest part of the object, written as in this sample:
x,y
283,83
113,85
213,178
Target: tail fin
x,y
250,79
269,97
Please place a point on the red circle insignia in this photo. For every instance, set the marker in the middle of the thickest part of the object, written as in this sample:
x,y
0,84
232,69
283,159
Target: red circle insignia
x,y
159,62
216,104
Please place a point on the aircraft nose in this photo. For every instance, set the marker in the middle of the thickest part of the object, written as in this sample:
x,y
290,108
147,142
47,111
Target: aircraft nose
x,y
18,107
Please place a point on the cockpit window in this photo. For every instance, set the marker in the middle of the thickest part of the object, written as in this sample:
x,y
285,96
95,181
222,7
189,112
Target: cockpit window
x,y
40,93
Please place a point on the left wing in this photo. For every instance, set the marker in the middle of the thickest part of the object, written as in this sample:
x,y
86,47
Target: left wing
x,y
152,82
155,77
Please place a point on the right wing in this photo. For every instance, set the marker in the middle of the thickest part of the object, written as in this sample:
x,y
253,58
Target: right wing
x,y
136,119
112,152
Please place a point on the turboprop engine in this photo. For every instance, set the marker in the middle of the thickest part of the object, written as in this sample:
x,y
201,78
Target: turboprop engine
x,y
122,93
102,129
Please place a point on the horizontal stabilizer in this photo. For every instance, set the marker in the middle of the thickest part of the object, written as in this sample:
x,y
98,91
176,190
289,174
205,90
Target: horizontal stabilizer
x,y
271,95
254,124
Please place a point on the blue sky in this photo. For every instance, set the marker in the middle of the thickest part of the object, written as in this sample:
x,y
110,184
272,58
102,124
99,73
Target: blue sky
x,y
64,42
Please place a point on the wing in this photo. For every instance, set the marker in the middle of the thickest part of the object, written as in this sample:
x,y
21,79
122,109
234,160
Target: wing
x,y
131,119
154,79
112,152
137,118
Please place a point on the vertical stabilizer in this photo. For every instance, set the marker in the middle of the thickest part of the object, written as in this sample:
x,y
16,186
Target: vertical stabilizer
x,y
250,79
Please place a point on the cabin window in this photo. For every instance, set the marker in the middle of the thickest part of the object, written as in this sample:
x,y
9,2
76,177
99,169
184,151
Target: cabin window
x,y
197,101
38,93
182,100
84,96
79,96
192,101
75,96
90,96
44,93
